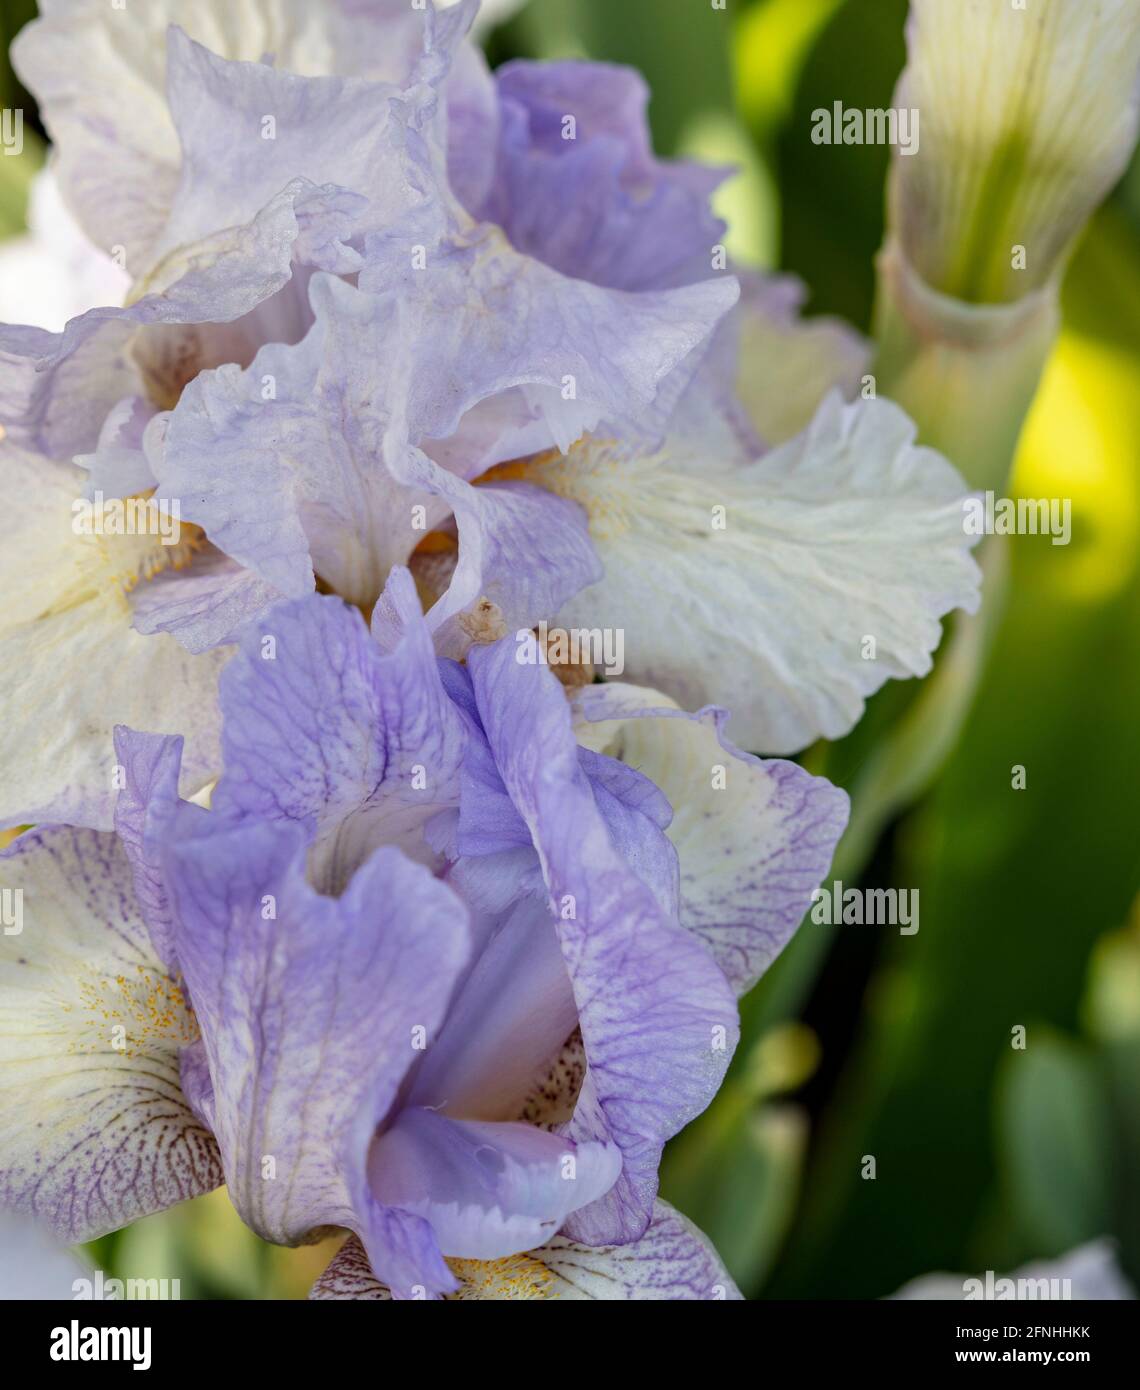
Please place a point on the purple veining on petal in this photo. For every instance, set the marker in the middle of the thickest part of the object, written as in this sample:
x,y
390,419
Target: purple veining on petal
x,y
310,1009
94,1026
751,851
324,729
598,206
656,1014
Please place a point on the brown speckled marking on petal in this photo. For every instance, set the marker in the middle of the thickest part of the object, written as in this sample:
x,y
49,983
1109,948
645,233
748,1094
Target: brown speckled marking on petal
x,y
551,1102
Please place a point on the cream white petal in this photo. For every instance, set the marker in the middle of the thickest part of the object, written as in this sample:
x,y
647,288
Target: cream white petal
x,y
73,665
754,837
99,74
96,1130
787,590
786,364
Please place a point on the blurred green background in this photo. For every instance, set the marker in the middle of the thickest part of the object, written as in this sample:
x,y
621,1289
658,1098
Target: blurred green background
x,y
863,1042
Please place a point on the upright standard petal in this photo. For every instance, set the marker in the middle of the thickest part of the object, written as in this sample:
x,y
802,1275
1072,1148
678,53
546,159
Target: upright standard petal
x,y
96,1130
498,319
470,1151
58,389
278,171
508,1025
657,1016
324,729
318,471
99,74
282,463
313,1011
248,130
577,187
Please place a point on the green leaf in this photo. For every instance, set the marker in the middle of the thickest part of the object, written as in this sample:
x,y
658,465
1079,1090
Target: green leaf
x,y
1122,1061
833,194
14,14
1055,1135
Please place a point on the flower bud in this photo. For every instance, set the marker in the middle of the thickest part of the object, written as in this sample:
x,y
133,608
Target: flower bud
x,y
1029,112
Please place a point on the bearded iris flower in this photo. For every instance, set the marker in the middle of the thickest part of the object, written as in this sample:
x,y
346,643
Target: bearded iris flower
x,y
424,357
222,254
94,390
678,498
334,331
428,968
